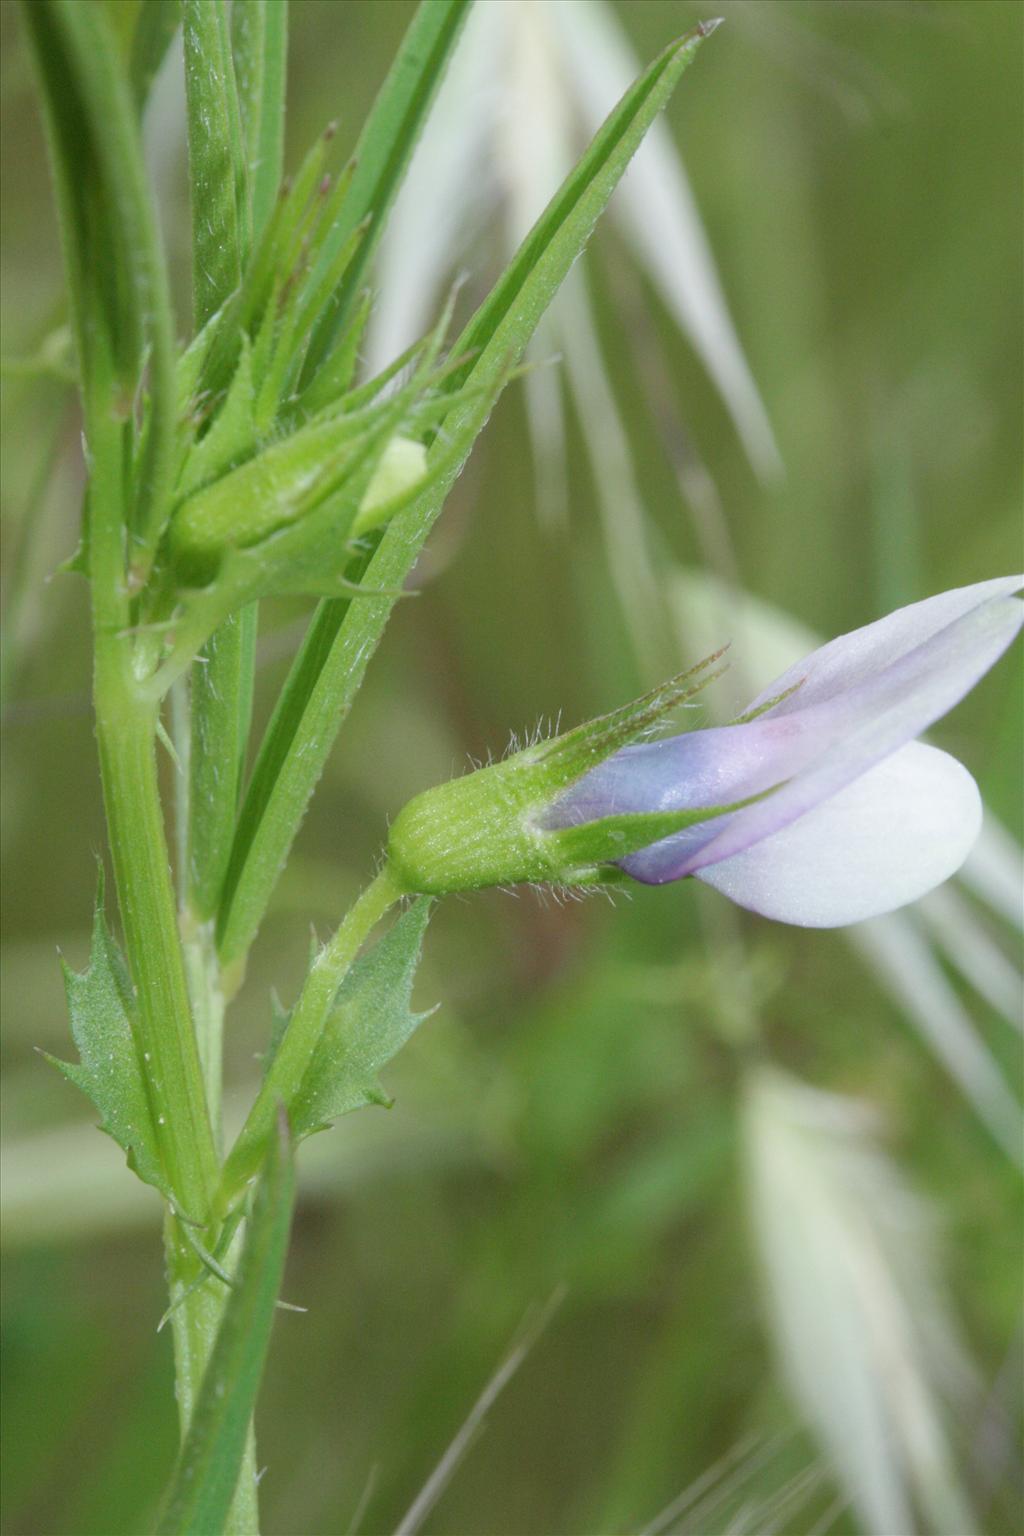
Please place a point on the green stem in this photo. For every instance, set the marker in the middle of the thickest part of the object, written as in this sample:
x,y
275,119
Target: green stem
x,y
125,731
302,1036
126,735
198,1309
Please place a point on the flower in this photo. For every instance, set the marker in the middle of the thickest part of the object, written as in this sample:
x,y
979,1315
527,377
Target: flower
x,y
929,956
934,954
817,807
848,815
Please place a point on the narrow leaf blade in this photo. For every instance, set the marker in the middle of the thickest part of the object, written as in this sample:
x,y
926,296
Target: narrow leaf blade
x,y
207,1473
344,635
383,153
259,42
216,162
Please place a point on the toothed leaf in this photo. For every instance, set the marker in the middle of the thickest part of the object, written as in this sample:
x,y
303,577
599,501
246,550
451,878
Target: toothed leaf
x,y
370,1022
102,1006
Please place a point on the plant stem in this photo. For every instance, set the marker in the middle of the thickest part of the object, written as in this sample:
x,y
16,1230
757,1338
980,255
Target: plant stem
x,y
198,1309
126,736
302,1035
125,733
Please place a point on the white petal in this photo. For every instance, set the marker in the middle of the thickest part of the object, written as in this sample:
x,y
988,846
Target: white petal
x,y
873,715
852,659
887,838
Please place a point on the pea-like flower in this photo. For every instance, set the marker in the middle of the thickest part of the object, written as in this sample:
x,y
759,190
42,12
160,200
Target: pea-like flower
x,y
817,807
862,818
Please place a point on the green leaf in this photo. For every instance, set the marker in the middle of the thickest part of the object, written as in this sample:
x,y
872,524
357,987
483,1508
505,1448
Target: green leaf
x,y
120,300
222,690
222,684
156,25
259,43
216,160
344,635
335,376
369,1023
102,1009
204,1482
236,128
122,17
280,1017
232,435
382,155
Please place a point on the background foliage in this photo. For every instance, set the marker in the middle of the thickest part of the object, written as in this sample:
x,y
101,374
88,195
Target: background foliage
x,y
569,1116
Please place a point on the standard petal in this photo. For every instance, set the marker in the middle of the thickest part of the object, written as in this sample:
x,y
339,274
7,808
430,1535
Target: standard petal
x,y
852,659
869,721
811,753
895,833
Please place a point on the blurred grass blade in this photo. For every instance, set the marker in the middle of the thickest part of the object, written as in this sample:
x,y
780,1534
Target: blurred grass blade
x,y
660,221
344,635
898,950
994,871
529,1332
217,170
382,154
975,953
259,42
204,1482
446,200
856,1303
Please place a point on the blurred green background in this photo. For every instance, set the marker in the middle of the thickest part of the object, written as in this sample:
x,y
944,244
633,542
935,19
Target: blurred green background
x,y
569,1117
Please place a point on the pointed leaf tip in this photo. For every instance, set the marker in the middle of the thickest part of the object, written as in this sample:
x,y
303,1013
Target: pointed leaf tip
x,y
705,28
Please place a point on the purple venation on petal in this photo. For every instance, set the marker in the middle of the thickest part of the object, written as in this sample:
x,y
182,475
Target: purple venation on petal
x,y
858,700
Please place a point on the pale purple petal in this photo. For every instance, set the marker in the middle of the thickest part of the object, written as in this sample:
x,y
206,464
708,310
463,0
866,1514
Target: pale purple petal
x,y
853,658
889,837
858,728
701,768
